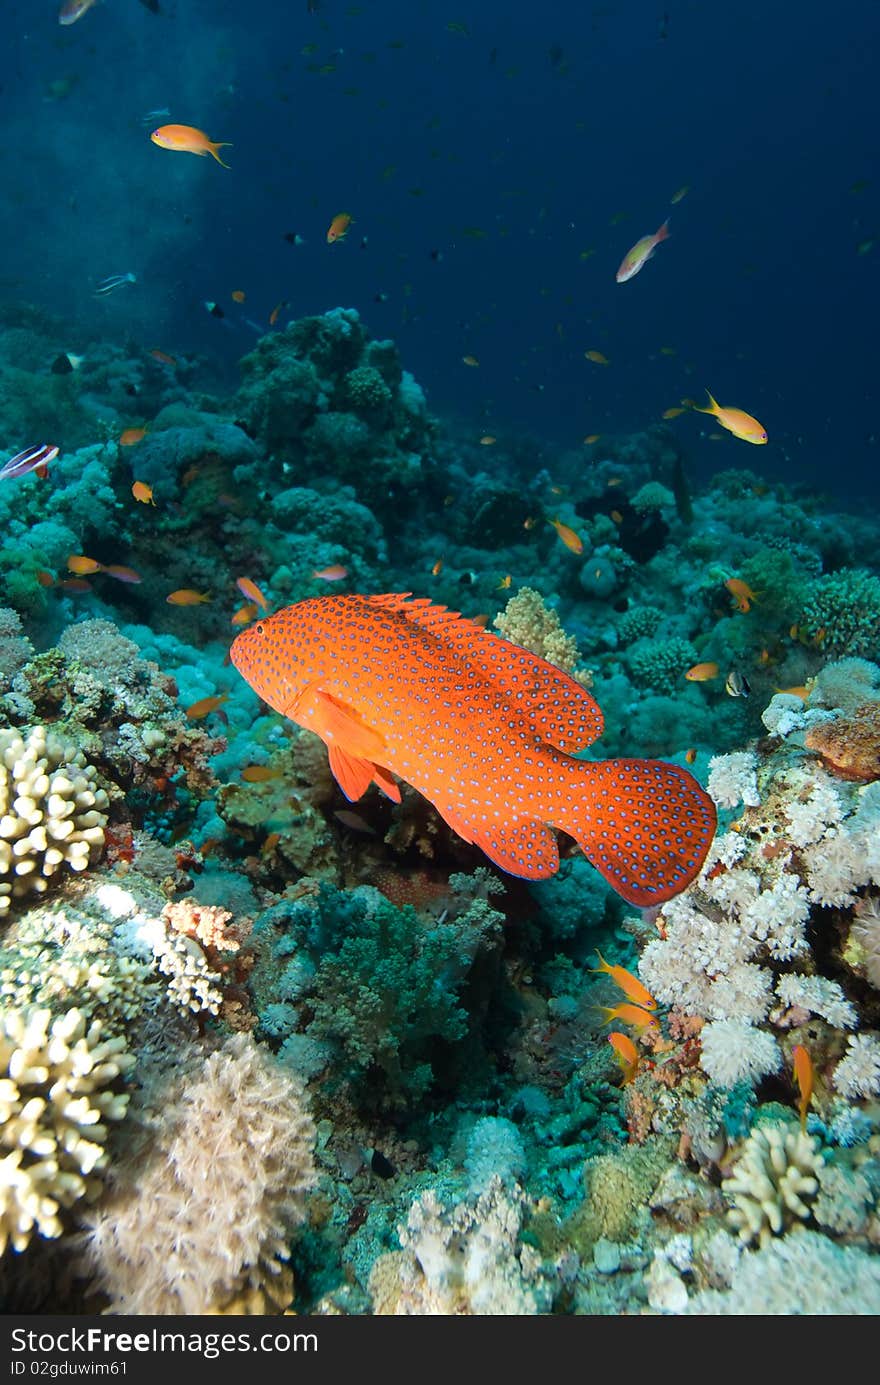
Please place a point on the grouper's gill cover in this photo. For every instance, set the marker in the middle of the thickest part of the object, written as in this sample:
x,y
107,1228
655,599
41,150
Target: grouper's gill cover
x,y
485,730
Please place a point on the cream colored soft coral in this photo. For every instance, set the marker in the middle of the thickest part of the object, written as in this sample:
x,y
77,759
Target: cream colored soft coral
x,y
51,811
773,1182
529,622
54,1102
203,1215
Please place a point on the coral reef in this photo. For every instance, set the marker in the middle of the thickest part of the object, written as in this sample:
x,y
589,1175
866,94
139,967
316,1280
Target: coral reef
x,y
264,1050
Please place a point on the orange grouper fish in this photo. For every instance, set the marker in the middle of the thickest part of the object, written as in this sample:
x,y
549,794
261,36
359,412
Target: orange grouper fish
x,y
485,730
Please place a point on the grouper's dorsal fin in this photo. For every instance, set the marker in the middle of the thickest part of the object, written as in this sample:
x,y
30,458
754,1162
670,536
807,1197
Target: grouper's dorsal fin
x,y
561,711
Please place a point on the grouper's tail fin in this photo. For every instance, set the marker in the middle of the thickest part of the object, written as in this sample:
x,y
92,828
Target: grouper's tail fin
x,y
646,825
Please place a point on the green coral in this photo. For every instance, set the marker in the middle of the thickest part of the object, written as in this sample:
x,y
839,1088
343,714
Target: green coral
x,y
639,622
384,987
367,394
662,664
846,605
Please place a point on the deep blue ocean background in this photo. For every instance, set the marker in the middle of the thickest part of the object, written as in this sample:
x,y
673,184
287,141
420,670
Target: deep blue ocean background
x,y
498,160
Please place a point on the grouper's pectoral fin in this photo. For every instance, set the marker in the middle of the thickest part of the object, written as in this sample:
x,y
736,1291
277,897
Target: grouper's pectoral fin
x,y
352,745
354,775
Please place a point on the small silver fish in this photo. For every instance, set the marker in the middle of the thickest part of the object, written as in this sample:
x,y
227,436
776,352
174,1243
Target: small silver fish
x,y
736,684
115,281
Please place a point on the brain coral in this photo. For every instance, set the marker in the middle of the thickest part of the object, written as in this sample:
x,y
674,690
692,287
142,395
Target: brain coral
x,y
51,811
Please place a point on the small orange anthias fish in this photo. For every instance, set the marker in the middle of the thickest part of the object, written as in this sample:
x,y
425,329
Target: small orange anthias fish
x,y
701,673
121,573
186,139
627,1055
736,421
81,565
258,774
130,436
631,986
185,596
251,592
742,594
338,228
803,1071
628,1013
142,492
486,731
206,705
568,536
638,257
245,614
335,573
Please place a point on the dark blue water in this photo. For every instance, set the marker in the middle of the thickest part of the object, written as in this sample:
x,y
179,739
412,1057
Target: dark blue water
x,y
499,160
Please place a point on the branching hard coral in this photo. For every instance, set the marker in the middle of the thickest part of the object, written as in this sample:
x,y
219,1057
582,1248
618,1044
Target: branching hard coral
x,y
661,663
56,1093
773,1182
638,623
205,1212
529,622
51,811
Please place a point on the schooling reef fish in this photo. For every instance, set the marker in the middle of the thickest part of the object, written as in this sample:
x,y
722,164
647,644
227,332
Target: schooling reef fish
x,y
636,258
485,730
186,139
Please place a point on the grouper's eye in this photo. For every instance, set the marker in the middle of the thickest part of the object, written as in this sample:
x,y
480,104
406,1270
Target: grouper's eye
x,y
260,628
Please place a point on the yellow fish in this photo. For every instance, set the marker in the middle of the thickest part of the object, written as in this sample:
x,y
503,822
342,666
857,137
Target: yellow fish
x,y
736,421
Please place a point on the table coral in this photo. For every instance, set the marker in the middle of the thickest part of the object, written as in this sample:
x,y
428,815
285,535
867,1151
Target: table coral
x,y
51,811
